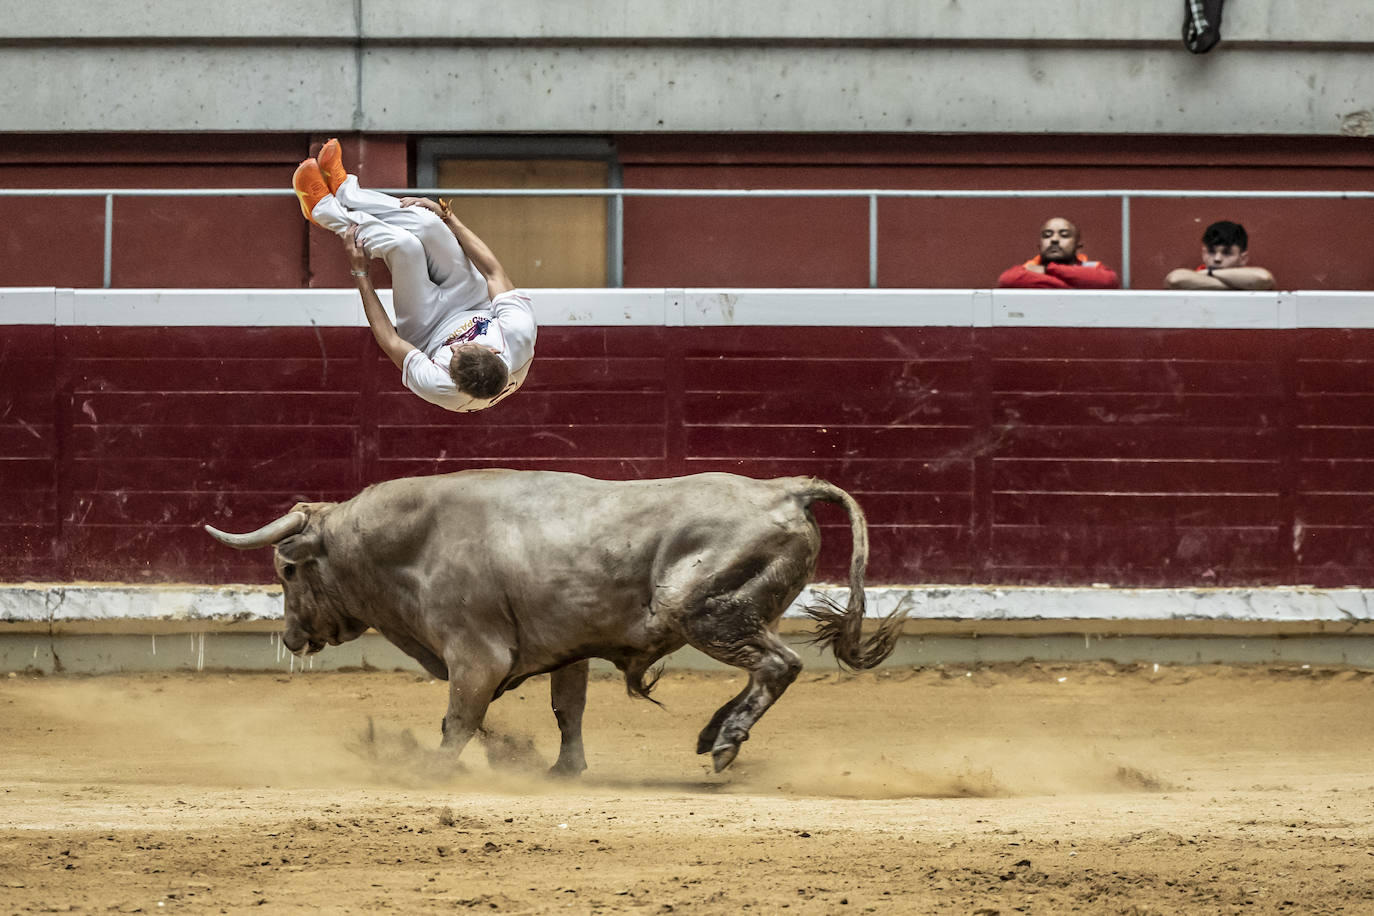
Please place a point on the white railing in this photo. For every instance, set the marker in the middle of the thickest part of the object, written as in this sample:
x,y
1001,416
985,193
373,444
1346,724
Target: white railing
x,y
617,197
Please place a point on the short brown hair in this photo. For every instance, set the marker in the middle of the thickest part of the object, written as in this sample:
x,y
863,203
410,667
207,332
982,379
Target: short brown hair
x,y
477,371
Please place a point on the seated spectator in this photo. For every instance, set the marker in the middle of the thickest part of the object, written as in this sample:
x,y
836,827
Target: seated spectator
x,y
1060,265
1225,263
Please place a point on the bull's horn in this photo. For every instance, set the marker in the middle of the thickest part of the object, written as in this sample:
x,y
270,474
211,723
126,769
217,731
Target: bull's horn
x,y
267,535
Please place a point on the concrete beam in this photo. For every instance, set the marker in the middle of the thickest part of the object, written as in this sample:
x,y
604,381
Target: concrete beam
x,y
172,87
599,88
866,20
1278,21
994,90
139,19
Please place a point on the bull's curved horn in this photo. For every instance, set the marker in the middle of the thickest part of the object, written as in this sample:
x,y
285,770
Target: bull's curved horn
x,y
267,535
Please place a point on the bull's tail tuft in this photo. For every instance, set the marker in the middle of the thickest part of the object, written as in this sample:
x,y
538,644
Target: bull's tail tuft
x,y
841,628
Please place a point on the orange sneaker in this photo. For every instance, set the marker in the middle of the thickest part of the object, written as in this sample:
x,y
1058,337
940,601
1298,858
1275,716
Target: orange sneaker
x,y
310,186
331,164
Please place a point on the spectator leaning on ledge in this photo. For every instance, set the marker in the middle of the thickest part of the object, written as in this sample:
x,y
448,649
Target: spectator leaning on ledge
x,y
1060,265
1225,263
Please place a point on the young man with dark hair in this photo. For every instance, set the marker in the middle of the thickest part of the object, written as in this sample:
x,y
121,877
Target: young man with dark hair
x,y
1225,263
464,335
1060,264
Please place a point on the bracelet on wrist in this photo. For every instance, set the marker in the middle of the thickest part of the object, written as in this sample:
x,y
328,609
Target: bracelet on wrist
x,y
359,273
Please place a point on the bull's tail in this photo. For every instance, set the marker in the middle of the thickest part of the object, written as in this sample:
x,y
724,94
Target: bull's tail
x,y
841,628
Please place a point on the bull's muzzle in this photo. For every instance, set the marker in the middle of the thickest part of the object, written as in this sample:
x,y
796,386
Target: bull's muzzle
x,y
300,644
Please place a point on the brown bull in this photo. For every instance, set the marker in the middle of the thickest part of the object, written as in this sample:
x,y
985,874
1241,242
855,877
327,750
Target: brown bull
x,y
488,577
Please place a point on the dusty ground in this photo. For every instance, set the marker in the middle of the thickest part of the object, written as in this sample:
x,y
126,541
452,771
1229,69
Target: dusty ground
x,y
1031,789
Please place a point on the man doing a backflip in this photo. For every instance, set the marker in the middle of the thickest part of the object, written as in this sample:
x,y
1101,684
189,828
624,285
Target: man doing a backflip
x,y
464,335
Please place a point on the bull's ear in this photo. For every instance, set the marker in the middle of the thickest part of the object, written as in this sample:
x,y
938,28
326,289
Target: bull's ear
x,y
301,548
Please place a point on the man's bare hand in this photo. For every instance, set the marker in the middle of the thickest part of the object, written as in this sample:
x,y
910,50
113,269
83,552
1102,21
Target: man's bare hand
x,y
357,257
422,202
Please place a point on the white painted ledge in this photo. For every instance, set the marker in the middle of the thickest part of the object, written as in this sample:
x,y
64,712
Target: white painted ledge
x,y
58,603
668,307
981,603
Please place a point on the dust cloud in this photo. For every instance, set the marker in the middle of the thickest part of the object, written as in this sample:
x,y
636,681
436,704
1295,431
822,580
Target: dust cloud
x,y
325,730
174,731
869,770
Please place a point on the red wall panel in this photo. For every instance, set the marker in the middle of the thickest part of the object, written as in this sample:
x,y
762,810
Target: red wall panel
x,y
1011,456
1136,554
1334,471
30,444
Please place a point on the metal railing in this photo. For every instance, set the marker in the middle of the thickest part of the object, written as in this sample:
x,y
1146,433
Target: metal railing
x,y
617,197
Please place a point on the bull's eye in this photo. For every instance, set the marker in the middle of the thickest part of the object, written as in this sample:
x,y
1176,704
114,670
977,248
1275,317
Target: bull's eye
x,y
288,570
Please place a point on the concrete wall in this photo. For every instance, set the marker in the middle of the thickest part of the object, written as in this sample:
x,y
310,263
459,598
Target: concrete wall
x,y
100,629
384,65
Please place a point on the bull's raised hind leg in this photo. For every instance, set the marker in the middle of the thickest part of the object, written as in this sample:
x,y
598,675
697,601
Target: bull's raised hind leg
x,y
730,630
568,693
730,612
772,667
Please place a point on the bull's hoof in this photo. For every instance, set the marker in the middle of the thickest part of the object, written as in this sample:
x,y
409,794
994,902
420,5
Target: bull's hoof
x,y
704,743
723,756
562,770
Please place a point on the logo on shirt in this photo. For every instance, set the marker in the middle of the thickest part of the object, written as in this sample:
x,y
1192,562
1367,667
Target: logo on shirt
x,y
474,328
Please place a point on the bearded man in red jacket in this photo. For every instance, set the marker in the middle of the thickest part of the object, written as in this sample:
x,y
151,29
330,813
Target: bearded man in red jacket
x,y
1059,265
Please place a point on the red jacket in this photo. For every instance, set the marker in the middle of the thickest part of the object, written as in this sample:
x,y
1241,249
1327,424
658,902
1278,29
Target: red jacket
x,y
1083,275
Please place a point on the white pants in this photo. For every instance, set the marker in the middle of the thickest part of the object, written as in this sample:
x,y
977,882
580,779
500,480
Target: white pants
x,y
431,278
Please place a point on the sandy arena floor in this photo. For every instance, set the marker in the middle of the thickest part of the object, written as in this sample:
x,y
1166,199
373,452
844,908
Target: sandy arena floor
x,y
1028,789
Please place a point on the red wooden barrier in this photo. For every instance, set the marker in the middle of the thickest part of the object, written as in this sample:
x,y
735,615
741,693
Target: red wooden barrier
x,y
1165,457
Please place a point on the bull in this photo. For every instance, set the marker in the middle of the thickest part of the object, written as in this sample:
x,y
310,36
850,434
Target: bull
x,y
489,577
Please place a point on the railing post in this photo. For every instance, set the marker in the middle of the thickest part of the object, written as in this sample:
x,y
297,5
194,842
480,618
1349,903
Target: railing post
x,y
1125,242
873,241
617,252
109,236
